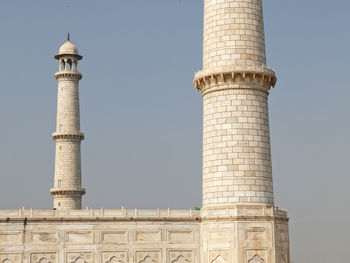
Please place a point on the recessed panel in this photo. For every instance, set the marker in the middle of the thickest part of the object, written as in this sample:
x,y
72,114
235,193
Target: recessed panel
x,y
180,236
80,237
11,238
148,236
114,237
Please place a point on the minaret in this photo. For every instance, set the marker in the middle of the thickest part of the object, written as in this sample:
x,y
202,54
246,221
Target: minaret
x,y
235,84
67,191
240,223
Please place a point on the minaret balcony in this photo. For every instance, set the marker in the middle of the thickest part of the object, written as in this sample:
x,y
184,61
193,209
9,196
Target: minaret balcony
x,y
68,75
63,191
68,135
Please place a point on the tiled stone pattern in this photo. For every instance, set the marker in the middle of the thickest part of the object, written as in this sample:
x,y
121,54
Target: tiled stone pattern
x,y
68,116
233,33
67,185
236,136
236,148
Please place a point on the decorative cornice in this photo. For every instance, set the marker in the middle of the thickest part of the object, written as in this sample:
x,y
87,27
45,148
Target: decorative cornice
x,y
68,75
64,192
68,136
258,80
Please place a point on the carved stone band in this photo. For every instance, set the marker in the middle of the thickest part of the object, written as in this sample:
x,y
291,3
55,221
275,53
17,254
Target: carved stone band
x,y
248,80
72,136
64,192
68,75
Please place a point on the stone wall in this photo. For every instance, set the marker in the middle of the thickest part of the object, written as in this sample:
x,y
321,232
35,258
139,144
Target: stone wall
x,y
236,148
233,33
99,236
240,234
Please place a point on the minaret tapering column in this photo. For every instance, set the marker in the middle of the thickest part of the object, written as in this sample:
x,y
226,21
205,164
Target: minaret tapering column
x,y
235,84
67,191
239,222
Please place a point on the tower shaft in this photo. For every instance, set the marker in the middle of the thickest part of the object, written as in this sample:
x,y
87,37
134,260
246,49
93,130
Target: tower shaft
x,y
235,84
68,189
237,174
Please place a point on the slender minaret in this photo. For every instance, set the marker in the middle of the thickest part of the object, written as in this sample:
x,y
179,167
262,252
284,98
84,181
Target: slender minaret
x,y
240,223
235,84
67,191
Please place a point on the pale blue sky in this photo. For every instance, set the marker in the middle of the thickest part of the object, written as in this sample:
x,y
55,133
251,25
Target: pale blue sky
x,y
142,116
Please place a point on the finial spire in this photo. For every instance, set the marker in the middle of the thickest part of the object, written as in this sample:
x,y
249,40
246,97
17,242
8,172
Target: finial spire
x,y
68,37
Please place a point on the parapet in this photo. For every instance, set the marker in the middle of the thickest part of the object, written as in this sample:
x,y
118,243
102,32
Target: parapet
x,y
99,215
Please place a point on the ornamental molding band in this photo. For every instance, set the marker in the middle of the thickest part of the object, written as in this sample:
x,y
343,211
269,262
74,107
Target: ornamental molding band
x,y
68,137
238,221
250,80
72,76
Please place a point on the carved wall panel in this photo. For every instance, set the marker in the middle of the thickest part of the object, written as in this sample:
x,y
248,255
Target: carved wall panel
x,y
180,256
180,236
282,256
115,257
80,237
43,257
256,256
10,258
219,256
219,236
44,237
255,233
282,236
11,237
148,236
114,237
83,257
148,257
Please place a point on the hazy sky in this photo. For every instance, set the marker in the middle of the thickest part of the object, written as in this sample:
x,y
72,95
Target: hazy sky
x,y
142,116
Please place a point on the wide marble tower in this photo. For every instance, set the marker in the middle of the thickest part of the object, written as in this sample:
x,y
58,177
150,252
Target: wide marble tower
x,y
67,189
237,174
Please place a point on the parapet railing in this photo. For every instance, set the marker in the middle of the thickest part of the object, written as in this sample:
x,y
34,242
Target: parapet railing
x,y
99,213
158,214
